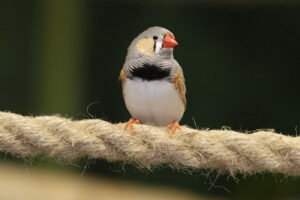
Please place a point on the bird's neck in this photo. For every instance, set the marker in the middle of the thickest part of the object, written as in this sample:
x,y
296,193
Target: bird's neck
x,y
149,69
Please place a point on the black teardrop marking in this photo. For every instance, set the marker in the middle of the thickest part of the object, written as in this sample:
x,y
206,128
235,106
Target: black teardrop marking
x,y
149,72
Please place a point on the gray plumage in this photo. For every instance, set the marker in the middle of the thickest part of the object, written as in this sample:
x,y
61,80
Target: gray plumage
x,y
163,58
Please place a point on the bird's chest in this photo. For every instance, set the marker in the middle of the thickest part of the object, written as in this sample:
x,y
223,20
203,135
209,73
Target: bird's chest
x,y
156,102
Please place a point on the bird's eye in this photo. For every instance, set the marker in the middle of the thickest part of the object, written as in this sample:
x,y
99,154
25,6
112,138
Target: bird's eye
x,y
155,37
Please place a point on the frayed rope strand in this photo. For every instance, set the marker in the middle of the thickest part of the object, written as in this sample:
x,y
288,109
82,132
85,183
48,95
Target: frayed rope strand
x,y
222,150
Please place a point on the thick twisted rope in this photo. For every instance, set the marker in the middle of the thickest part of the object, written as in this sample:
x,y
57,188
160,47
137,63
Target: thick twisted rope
x,y
223,150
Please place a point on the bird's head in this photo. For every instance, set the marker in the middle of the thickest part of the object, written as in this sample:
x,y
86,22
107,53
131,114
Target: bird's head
x,y
155,41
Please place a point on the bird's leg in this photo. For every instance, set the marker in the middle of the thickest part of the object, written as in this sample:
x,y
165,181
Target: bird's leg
x,y
130,124
173,127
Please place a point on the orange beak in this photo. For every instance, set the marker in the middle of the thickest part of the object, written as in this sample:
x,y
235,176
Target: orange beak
x,y
169,41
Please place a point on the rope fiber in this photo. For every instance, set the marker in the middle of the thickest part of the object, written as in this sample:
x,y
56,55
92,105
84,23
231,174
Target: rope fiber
x,y
222,150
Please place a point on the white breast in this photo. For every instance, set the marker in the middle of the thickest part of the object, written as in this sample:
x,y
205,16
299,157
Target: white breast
x,y
153,102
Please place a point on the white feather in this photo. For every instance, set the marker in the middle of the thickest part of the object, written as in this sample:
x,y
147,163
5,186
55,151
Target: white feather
x,y
153,102
158,46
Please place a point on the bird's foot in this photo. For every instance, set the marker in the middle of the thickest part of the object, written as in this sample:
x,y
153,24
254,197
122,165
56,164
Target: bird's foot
x,y
130,124
173,127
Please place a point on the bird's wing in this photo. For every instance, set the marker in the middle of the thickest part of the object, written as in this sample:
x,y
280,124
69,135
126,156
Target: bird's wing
x,y
179,82
123,76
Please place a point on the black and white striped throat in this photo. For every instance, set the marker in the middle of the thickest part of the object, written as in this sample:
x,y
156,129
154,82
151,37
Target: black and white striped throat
x,y
149,72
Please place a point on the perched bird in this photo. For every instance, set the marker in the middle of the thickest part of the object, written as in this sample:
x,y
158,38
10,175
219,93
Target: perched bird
x,y
152,81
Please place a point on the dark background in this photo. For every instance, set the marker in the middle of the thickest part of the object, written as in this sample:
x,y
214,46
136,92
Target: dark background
x,y
240,59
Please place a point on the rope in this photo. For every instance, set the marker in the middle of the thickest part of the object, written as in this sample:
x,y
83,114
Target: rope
x,y
223,150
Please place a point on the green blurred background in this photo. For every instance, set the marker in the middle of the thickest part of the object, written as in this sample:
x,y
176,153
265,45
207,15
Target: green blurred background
x,y
240,59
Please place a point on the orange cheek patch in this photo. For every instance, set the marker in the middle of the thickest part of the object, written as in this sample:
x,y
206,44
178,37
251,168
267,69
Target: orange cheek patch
x,y
146,46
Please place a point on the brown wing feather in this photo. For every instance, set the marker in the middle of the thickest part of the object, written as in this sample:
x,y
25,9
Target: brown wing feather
x,y
179,83
123,77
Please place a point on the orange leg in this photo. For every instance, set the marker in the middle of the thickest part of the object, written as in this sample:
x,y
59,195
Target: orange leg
x,y
130,124
173,127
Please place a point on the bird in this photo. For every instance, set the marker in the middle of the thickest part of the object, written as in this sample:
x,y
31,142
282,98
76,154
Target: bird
x,y
153,83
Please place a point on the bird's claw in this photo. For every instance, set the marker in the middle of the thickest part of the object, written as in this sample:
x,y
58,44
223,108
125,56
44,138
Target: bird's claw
x,y
130,124
173,127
